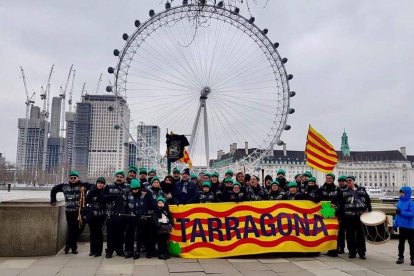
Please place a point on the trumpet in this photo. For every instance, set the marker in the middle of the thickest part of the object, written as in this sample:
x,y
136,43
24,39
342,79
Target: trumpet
x,y
82,203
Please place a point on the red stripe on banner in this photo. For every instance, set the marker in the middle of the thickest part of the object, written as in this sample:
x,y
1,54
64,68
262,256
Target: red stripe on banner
x,y
178,238
257,242
227,213
319,165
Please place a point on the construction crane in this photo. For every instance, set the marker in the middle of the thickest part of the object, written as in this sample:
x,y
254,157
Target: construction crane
x,y
83,89
62,96
71,91
29,102
45,97
99,83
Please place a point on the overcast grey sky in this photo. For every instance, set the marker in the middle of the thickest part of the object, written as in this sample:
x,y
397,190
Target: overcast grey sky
x,y
352,61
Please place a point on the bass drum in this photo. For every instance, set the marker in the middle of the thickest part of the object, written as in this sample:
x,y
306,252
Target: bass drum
x,y
375,227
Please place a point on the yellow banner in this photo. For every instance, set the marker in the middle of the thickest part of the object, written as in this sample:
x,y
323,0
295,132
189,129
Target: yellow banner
x,y
217,230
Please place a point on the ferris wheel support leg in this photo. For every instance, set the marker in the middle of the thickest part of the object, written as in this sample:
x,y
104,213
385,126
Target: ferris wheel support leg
x,y
207,144
195,126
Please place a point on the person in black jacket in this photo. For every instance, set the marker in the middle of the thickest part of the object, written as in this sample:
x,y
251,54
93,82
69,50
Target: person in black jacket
x,y
96,217
356,202
268,183
164,227
73,191
167,186
140,211
293,192
237,194
223,193
281,178
255,191
331,192
115,197
275,192
207,196
215,183
185,191
312,191
132,173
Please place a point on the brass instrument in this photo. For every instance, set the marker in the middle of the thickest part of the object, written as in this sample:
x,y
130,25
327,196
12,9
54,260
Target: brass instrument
x,y
82,202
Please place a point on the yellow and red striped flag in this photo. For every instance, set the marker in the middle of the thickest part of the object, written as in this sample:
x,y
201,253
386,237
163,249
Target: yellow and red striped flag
x,y
320,154
186,159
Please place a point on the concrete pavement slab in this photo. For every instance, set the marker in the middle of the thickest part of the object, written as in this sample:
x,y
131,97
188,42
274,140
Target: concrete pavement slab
x,y
226,268
364,273
345,266
185,267
17,263
284,267
315,264
251,266
11,271
328,272
273,261
296,273
151,270
116,268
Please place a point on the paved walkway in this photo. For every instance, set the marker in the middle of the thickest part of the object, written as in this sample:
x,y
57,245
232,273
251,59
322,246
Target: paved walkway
x,y
380,261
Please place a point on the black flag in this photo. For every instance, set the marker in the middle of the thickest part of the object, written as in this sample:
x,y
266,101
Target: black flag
x,y
175,146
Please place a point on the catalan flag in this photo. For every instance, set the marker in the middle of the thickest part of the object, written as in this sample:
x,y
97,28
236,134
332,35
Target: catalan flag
x,y
186,159
320,154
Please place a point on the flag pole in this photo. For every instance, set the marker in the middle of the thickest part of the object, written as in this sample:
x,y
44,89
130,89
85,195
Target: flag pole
x,y
168,160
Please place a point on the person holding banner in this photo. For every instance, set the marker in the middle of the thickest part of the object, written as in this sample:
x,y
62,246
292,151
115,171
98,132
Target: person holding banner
x,y
164,226
356,202
167,186
237,195
275,192
268,183
255,191
215,183
281,178
331,192
207,196
312,191
293,192
223,194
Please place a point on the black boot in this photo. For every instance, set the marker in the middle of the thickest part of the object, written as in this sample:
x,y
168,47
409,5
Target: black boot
x,y
399,260
412,262
128,255
67,247
108,254
136,255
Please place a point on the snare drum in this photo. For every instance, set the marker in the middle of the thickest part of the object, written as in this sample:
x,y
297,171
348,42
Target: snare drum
x,y
375,227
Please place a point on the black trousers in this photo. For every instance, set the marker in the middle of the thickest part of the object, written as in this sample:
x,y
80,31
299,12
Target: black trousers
x,y
96,234
162,240
142,231
405,234
355,239
341,235
115,234
74,230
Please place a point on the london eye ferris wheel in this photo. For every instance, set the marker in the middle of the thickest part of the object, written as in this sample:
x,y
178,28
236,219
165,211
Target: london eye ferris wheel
x,y
205,71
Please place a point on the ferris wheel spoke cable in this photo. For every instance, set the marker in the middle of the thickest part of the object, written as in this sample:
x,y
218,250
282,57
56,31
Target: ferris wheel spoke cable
x,y
156,68
192,74
242,115
161,80
171,65
225,56
260,105
234,125
233,100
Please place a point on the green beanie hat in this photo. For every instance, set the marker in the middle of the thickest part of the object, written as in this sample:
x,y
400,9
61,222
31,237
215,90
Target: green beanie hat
x,y
152,171
281,171
207,184
351,177
207,174
176,170
101,180
133,169
74,173
154,179
161,198
296,175
292,184
342,178
230,172
142,171
194,176
312,179
275,182
307,173
119,172
135,184
228,179
331,175
236,183
215,174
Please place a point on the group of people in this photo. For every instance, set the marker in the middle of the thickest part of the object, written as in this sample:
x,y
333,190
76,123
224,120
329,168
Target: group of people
x,y
135,210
